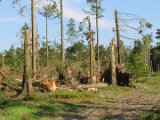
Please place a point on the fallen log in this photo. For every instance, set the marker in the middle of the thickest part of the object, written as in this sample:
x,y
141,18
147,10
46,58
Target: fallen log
x,y
3,75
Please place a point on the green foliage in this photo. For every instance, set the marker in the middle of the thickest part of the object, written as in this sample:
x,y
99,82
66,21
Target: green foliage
x,y
54,54
11,58
137,66
104,57
155,52
95,8
138,63
148,25
50,10
71,31
61,74
77,51
158,34
137,60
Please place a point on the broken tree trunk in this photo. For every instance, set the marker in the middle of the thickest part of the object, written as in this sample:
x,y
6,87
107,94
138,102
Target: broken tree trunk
x,y
113,66
37,52
26,83
118,35
91,44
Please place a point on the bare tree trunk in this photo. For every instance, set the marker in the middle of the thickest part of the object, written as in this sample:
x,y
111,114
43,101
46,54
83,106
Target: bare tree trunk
x,y
26,83
37,48
97,29
113,66
118,35
91,49
91,58
62,32
33,40
47,42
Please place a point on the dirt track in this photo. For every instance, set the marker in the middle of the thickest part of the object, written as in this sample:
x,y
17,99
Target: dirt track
x,y
127,107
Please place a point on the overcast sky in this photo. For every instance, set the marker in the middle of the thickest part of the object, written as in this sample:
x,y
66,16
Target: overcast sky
x,y
11,21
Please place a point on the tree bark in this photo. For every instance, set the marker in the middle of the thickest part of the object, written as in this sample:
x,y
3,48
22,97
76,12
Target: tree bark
x,y
91,49
26,83
47,42
33,40
62,32
113,66
37,48
118,35
97,29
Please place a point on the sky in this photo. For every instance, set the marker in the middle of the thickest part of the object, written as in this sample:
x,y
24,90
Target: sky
x,y
11,22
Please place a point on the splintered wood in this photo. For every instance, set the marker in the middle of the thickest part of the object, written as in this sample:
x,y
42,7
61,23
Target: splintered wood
x,y
2,76
48,85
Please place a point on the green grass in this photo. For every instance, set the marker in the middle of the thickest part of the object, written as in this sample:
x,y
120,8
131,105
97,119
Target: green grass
x,y
47,106
39,110
110,94
72,94
13,110
66,103
151,85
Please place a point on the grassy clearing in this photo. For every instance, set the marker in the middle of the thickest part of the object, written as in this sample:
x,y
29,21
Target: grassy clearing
x,y
66,103
47,106
110,94
151,85
40,110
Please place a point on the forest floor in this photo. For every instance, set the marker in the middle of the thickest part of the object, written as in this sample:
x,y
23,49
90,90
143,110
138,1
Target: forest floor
x,y
107,103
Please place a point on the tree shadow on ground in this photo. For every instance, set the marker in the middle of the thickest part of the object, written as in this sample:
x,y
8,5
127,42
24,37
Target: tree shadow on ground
x,y
60,109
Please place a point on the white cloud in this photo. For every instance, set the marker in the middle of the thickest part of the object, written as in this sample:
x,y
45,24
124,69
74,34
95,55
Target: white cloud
x,y
75,14
11,20
80,15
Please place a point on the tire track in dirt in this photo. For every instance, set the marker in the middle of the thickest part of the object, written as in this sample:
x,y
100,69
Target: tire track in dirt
x,y
127,107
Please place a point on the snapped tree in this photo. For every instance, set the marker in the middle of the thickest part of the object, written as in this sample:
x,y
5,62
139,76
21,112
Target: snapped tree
x,y
96,10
